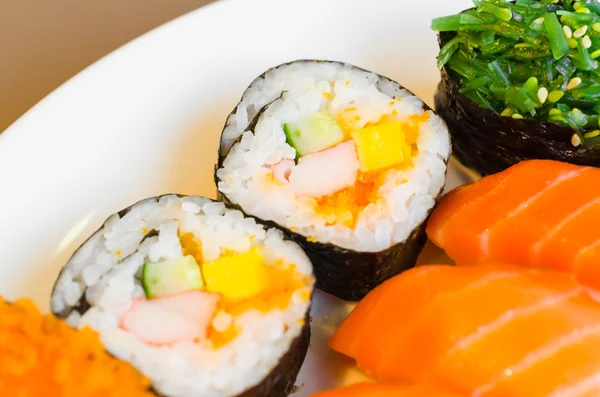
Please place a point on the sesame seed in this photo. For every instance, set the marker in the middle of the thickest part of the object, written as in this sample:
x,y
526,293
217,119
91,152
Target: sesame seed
x,y
574,83
575,140
586,42
567,31
580,32
539,21
532,81
592,134
555,96
554,112
517,116
542,94
572,43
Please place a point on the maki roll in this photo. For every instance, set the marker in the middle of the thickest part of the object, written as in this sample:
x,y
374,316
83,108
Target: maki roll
x,y
41,355
200,299
520,80
346,162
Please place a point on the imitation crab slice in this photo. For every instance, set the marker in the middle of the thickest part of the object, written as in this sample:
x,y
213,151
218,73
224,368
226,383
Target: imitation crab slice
x,y
182,317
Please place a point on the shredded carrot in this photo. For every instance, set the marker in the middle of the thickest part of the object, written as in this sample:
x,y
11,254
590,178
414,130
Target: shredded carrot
x,y
43,356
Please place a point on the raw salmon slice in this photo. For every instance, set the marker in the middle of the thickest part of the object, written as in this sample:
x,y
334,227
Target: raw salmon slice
x,y
538,213
488,330
409,292
387,390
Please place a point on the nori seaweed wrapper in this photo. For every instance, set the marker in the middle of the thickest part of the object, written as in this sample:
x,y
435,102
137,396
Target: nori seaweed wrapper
x,y
489,143
280,382
344,273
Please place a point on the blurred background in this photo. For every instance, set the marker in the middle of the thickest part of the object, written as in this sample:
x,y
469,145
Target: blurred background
x,y
45,42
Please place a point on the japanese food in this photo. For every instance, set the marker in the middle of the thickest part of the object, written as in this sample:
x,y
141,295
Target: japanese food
x,y
538,213
346,162
488,330
199,298
387,390
520,81
42,355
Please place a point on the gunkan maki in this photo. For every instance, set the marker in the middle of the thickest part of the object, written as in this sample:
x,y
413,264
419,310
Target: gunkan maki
x,y
346,162
520,80
200,299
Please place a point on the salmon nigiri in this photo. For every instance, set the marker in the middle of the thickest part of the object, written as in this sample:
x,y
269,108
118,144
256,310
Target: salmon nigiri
x,y
488,330
538,213
387,390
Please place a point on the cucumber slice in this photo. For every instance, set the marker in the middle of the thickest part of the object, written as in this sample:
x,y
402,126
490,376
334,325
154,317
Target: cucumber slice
x,y
314,133
171,277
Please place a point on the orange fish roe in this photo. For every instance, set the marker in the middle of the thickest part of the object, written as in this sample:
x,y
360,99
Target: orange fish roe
x,y
191,247
284,280
43,356
346,120
344,206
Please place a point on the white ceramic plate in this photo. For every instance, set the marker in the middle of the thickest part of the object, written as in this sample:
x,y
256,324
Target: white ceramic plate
x,y
145,120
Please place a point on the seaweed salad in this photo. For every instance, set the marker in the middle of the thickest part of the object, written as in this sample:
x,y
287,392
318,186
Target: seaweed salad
x,y
532,63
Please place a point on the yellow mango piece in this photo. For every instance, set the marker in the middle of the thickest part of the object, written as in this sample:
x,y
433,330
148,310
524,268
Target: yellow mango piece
x,y
237,277
381,146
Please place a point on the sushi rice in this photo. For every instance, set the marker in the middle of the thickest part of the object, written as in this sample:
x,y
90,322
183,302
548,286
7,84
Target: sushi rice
x,y
292,92
101,283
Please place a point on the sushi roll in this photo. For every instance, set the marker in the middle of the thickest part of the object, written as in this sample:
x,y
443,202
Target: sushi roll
x,y
520,81
200,299
346,162
41,356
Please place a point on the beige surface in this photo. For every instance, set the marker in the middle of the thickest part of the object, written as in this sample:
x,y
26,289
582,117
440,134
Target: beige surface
x,y
45,42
